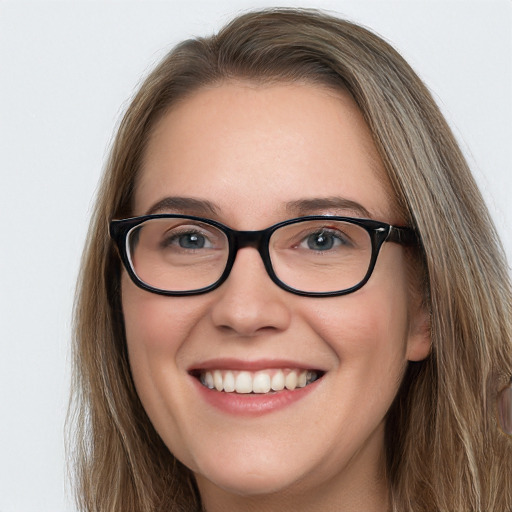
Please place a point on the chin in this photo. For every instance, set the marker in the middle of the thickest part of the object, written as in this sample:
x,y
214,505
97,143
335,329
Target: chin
x,y
245,481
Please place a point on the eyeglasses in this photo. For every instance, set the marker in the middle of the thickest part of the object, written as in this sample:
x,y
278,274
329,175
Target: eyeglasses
x,y
318,256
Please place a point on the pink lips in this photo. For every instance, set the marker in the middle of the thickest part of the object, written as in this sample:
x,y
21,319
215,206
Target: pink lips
x,y
238,364
250,404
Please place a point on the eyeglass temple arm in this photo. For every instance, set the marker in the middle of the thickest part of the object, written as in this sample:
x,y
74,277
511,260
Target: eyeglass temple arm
x,y
403,236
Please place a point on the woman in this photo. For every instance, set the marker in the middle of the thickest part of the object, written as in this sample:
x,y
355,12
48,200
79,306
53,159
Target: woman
x,y
246,339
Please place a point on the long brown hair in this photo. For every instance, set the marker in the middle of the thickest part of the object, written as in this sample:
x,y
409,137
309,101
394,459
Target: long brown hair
x,y
444,450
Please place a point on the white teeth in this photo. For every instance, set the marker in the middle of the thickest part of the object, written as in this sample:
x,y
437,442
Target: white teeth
x,y
261,382
217,380
290,381
243,382
229,382
278,381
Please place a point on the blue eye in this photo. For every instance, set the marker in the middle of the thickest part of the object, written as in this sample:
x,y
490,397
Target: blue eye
x,y
186,240
191,241
323,241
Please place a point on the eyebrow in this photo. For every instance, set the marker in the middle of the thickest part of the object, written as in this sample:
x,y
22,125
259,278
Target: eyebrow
x,y
334,205
298,208
188,205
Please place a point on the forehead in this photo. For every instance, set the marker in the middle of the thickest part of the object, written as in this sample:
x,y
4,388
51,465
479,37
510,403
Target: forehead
x,y
262,147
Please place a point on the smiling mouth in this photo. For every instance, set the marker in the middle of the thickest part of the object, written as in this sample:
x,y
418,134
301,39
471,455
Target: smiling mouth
x,y
259,382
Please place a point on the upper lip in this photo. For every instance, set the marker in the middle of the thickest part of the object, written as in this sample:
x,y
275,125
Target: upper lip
x,y
254,365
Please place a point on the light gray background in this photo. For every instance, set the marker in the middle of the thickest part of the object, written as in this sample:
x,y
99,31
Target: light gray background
x,y
67,70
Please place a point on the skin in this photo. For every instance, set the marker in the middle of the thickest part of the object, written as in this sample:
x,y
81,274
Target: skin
x,y
262,147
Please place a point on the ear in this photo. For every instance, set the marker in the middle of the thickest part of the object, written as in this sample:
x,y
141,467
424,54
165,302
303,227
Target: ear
x,y
419,342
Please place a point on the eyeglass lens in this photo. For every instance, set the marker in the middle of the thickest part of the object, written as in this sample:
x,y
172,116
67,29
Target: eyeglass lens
x,y
178,254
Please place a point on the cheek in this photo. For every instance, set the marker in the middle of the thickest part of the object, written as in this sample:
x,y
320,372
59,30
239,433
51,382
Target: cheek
x,y
155,323
368,330
363,323
156,329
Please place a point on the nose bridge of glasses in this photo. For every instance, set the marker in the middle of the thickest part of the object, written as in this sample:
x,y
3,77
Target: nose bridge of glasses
x,y
255,239
248,239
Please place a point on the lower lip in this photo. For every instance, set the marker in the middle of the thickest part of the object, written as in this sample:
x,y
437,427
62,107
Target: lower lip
x,y
252,404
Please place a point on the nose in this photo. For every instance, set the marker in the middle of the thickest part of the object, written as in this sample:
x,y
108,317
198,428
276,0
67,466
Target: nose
x,y
248,303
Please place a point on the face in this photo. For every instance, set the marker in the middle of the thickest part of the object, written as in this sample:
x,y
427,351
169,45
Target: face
x,y
253,156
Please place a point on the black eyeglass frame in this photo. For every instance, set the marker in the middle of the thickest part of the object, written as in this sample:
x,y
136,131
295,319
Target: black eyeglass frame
x,y
378,231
